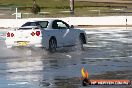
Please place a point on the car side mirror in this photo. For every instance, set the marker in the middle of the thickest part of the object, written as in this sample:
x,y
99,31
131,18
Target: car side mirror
x,y
72,26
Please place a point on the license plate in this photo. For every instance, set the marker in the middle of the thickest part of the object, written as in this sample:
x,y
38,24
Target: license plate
x,y
22,43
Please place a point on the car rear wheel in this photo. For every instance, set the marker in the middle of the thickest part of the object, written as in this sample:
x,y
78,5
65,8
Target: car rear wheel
x,y
52,44
82,41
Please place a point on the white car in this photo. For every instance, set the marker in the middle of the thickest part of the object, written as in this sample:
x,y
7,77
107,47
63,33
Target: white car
x,y
49,34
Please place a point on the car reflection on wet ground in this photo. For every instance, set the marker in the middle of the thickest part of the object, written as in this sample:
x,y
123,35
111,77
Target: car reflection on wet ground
x,y
108,55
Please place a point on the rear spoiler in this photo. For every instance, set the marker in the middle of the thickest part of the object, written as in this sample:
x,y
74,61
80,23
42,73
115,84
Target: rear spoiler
x,y
28,28
25,27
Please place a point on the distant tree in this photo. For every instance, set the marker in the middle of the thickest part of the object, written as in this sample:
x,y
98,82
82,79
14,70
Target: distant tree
x,y
35,8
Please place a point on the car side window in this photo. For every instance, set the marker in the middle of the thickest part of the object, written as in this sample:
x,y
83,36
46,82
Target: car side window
x,y
54,25
26,24
33,24
43,24
29,24
59,25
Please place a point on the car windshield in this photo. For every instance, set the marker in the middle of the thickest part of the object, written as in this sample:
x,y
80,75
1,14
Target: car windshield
x,y
40,24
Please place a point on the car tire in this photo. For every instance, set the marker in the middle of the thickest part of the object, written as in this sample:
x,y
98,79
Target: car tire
x,y
52,45
81,41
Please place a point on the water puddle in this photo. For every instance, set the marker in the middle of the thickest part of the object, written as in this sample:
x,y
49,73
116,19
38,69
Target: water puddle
x,y
106,56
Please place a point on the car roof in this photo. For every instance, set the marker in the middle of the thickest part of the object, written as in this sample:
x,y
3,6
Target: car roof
x,y
49,20
29,27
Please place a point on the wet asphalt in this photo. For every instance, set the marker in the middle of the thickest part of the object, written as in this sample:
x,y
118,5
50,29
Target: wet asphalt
x,y
107,55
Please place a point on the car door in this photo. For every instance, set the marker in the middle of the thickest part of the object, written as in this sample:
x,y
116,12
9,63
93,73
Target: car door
x,y
66,33
57,33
